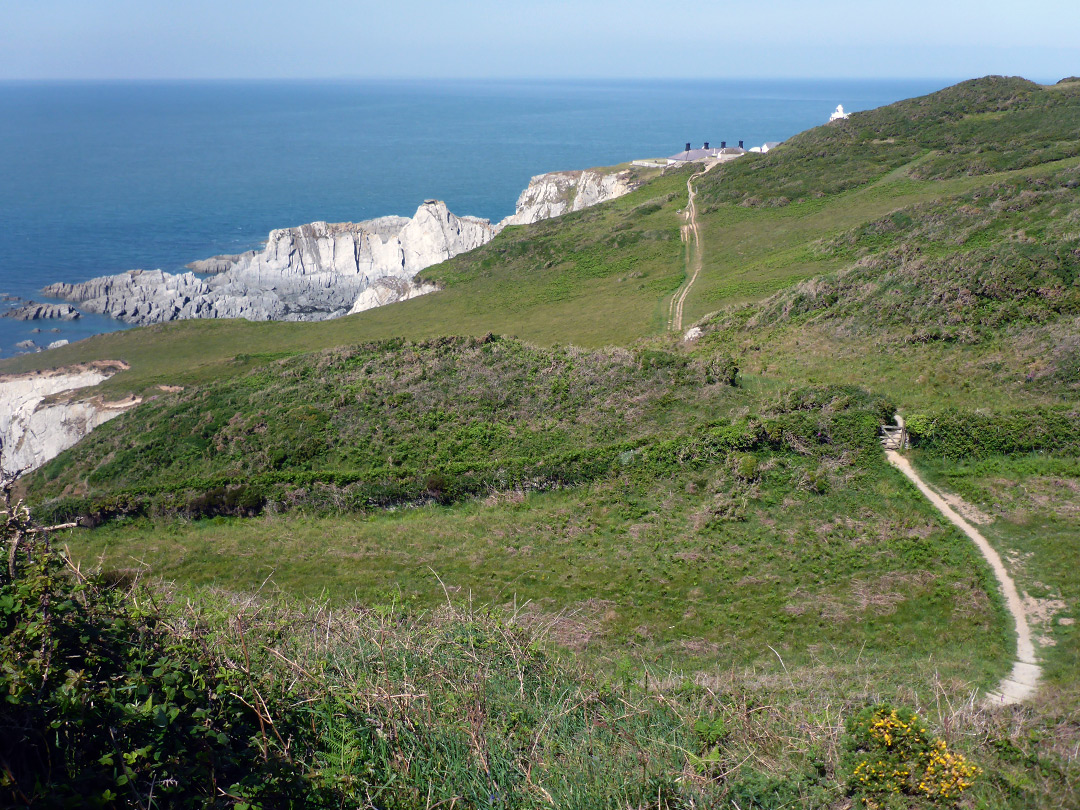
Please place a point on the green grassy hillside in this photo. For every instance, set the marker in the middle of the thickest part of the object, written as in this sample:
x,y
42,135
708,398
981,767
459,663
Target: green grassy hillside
x,y
709,527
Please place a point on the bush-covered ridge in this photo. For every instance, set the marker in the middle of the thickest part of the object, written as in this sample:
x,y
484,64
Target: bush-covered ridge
x,y
981,126
393,423
440,419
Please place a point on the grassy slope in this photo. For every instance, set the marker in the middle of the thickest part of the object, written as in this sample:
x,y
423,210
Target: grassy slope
x,y
1030,506
971,301
811,546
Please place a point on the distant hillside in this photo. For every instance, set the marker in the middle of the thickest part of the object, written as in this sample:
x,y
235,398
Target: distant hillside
x,y
985,285
978,127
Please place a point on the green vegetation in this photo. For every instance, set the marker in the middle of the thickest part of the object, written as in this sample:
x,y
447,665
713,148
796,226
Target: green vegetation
x,y
664,574
895,763
969,302
1029,506
978,127
391,423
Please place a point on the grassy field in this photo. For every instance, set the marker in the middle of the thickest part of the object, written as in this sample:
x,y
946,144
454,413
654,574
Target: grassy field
x,y
700,568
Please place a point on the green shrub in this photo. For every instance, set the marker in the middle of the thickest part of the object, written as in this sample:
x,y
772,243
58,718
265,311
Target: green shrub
x,y
892,762
106,705
956,434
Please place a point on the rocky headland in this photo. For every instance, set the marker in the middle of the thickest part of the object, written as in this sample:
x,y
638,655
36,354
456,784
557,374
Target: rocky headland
x,y
325,270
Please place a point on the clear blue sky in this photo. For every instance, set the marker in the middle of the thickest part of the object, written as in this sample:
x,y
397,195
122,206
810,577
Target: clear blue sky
x,y
150,39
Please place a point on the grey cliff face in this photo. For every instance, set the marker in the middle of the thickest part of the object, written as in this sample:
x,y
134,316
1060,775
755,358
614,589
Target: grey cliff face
x,y
322,270
309,273
557,193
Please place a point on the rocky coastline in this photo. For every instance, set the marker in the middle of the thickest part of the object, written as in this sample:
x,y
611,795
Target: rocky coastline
x,y
325,270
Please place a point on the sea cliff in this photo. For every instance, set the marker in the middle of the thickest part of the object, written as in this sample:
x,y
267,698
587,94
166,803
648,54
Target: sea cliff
x,y
41,414
325,270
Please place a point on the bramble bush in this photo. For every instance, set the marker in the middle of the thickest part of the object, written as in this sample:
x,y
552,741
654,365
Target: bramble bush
x,y
105,704
957,434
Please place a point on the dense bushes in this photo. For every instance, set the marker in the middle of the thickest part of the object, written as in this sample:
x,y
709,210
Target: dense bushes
x,y
956,434
109,703
396,423
822,420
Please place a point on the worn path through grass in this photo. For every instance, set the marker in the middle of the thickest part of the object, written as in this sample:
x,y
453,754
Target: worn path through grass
x,y
693,253
1022,682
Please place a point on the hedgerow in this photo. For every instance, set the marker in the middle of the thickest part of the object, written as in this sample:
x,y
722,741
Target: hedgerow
x,y
959,434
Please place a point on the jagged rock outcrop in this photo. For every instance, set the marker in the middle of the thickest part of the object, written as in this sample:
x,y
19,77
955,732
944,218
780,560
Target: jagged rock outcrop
x,y
309,273
323,270
33,311
218,264
41,416
556,193
139,296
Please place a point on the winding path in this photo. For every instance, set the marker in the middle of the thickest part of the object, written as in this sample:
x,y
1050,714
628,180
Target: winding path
x,y
693,254
1022,682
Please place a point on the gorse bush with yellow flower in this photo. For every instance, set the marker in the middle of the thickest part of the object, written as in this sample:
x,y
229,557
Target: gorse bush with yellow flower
x,y
894,763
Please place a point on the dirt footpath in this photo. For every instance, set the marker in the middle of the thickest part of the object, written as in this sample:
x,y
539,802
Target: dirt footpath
x,y
1022,682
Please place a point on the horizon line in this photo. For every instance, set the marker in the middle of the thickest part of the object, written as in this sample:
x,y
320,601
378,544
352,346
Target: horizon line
x,y
491,79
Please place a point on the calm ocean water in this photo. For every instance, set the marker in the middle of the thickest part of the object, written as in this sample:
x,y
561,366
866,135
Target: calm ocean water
x,y
99,178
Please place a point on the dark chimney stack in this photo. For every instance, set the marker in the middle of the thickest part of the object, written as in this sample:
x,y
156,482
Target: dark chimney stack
x,y
706,146
688,146
740,144
723,144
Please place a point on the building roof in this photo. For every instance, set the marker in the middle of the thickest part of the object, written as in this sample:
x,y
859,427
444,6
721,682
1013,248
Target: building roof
x,y
695,154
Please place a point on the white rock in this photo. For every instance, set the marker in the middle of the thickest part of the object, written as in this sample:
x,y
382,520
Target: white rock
x,y
692,334
389,290
556,193
322,270
33,431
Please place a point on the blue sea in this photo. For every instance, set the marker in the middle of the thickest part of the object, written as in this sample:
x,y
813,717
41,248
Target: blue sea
x,y
99,178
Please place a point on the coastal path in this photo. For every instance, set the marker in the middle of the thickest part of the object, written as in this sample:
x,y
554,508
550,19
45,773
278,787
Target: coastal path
x,y
1023,680
691,236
